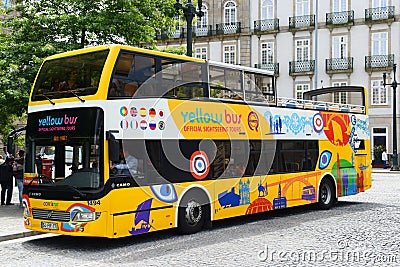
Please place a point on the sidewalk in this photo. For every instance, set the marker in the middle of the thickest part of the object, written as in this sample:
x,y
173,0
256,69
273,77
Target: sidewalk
x,y
12,221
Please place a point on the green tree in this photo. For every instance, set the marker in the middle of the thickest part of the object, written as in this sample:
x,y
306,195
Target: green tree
x,y
35,29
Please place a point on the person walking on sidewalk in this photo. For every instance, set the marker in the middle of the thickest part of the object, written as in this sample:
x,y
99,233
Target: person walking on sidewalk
x,y
19,174
6,178
384,158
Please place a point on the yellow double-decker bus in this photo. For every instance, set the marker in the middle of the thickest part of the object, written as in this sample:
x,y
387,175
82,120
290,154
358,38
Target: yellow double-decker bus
x,y
122,141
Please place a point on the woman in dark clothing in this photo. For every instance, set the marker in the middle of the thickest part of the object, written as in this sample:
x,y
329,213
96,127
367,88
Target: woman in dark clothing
x,y
6,178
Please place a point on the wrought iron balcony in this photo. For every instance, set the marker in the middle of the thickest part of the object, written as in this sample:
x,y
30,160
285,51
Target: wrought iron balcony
x,y
339,65
379,14
379,62
228,28
274,67
301,67
176,34
301,22
266,25
202,31
340,18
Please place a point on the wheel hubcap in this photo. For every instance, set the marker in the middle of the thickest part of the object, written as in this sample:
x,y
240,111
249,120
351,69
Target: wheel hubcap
x,y
193,212
326,194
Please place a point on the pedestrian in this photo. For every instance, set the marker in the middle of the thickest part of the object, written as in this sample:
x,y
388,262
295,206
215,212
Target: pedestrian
x,y
384,158
19,174
6,179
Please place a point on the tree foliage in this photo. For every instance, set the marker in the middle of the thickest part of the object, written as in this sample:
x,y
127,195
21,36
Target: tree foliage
x,y
35,29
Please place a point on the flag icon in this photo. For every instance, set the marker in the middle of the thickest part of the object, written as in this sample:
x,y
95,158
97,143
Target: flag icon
x,y
152,112
153,125
134,112
143,112
143,125
134,125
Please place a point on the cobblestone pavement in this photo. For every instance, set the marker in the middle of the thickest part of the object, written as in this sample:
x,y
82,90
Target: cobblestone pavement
x,y
362,230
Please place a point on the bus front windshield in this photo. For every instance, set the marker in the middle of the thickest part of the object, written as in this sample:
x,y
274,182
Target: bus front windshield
x,y
70,76
65,155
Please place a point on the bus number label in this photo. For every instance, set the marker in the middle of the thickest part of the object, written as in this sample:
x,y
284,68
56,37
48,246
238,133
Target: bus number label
x,y
94,202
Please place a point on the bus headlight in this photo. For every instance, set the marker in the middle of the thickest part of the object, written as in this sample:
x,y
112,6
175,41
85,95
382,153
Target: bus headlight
x,y
82,216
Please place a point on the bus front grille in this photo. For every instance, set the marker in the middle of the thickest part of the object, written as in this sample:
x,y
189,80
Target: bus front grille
x,y
52,215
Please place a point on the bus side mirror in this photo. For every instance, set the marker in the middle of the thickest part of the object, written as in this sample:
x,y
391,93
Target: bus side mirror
x,y
113,147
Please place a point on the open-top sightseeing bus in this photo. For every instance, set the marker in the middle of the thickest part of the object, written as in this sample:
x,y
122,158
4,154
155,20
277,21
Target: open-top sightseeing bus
x,y
122,141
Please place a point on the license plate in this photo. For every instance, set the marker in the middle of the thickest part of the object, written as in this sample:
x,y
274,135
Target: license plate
x,y
49,225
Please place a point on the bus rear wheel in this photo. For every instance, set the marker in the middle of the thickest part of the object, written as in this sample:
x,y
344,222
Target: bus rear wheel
x,y
326,194
192,215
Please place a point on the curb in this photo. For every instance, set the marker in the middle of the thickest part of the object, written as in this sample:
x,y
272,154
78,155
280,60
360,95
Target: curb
x,y
19,235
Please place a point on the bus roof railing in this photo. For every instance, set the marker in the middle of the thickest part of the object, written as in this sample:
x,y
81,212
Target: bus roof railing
x,y
319,105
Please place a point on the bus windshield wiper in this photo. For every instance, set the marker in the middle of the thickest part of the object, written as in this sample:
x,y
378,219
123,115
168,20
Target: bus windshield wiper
x,y
80,98
48,98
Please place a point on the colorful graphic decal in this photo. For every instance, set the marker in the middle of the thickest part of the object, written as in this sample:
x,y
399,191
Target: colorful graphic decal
x,y
229,199
325,159
142,218
161,125
26,203
161,114
199,165
134,112
153,125
262,191
318,123
134,125
346,178
143,112
337,128
143,125
253,121
123,111
308,193
76,226
124,124
280,201
152,113
165,192
259,205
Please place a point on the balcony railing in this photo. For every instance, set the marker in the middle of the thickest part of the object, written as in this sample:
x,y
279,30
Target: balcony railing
x,y
338,65
340,18
301,67
379,62
301,22
266,25
175,34
202,31
228,28
379,14
274,67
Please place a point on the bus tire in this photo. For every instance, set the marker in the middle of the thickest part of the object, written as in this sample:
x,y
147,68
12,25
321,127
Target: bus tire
x,y
326,194
193,213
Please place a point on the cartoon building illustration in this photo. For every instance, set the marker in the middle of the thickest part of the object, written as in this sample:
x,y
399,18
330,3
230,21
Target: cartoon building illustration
x,y
308,193
229,199
244,192
279,202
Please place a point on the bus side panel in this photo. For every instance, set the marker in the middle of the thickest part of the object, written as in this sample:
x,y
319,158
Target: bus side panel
x,y
247,195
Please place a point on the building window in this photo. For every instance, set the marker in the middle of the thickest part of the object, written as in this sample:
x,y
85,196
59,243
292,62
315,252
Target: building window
x,y
339,48
379,141
379,43
302,50
267,53
267,9
340,97
201,52
300,89
203,21
339,5
379,3
379,93
302,7
230,54
230,12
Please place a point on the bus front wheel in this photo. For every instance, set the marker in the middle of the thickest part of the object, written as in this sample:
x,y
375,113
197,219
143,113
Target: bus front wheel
x,y
326,194
192,216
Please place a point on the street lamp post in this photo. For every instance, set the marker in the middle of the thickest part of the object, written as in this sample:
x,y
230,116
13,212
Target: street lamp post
x,y
394,84
189,11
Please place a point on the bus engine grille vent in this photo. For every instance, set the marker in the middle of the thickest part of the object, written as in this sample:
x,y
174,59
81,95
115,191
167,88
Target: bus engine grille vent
x,y
52,215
